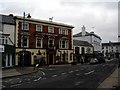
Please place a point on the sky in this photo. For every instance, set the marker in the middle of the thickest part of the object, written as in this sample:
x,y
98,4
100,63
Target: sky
x,y
100,16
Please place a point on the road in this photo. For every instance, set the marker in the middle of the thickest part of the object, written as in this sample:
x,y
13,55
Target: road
x,y
76,76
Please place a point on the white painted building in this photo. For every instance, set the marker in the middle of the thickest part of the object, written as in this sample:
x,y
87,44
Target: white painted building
x,y
7,40
91,37
111,49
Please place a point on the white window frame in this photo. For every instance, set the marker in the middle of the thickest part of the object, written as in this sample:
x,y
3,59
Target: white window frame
x,y
41,41
39,30
65,31
25,28
24,41
50,29
61,43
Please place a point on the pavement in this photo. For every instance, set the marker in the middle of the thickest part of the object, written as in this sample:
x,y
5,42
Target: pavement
x,y
17,71
112,82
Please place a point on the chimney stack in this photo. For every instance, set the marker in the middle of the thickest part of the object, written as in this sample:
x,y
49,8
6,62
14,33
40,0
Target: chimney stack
x,y
83,31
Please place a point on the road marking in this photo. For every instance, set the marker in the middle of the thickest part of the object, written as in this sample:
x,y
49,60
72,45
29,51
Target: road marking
x,y
44,78
17,78
51,69
37,79
54,75
78,74
10,79
63,73
88,73
6,81
15,85
77,83
71,72
43,73
28,79
3,86
77,70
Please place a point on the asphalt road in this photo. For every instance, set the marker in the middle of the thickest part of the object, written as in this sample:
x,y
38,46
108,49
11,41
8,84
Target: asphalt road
x,y
76,76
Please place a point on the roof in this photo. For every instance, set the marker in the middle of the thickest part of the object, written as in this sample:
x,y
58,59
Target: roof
x,y
8,19
45,21
87,34
111,43
81,43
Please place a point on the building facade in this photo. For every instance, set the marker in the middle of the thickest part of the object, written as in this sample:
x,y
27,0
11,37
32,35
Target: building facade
x,y
82,51
7,40
111,49
91,38
47,40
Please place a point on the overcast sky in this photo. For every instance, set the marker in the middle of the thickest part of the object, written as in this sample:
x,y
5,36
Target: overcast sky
x,y
100,14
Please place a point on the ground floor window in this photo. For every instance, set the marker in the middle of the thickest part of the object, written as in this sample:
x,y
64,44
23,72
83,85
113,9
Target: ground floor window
x,y
7,60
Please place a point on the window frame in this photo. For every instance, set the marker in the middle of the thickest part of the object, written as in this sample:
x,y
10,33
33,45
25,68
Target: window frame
x,y
50,29
41,42
26,23
51,44
24,41
37,25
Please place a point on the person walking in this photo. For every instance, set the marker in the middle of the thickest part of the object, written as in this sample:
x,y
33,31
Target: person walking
x,y
35,61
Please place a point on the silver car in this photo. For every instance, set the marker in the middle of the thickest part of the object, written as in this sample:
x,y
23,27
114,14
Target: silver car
x,y
94,61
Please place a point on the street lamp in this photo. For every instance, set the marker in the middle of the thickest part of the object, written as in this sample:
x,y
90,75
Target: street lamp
x,y
23,27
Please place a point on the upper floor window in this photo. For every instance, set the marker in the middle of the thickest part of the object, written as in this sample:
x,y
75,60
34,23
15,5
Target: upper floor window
x,y
63,31
50,43
63,44
26,26
39,28
38,42
50,29
25,43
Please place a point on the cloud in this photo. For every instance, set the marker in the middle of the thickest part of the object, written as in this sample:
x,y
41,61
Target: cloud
x,y
99,14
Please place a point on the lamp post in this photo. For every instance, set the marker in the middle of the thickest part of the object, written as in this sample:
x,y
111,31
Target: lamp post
x,y
23,27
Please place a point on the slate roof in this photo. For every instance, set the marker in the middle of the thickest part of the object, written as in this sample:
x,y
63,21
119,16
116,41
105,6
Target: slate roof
x,y
87,34
112,43
81,43
6,19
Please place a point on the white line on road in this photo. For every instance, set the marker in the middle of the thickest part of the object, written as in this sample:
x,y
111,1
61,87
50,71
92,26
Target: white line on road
x,y
43,78
15,85
77,70
3,86
71,72
43,73
78,74
88,73
54,75
77,83
63,73
37,79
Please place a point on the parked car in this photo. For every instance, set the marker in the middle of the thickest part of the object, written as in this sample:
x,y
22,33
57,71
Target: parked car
x,y
94,61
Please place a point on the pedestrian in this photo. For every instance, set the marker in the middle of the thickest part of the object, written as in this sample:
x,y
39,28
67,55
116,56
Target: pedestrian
x,y
35,61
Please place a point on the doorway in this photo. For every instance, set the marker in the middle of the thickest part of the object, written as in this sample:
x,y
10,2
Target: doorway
x,y
27,58
51,58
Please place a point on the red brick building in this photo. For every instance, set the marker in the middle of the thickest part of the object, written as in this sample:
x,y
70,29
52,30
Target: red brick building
x,y
44,39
